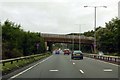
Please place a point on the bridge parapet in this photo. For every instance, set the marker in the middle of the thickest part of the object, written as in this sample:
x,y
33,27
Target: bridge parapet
x,y
66,36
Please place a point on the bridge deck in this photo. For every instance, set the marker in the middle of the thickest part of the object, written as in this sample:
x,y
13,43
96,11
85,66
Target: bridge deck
x,y
67,38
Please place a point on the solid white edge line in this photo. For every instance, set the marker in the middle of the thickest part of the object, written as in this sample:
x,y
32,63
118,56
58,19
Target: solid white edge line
x,y
102,61
53,70
81,71
28,68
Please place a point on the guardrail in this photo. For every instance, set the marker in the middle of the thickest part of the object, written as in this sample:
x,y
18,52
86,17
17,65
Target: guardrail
x,y
115,59
19,58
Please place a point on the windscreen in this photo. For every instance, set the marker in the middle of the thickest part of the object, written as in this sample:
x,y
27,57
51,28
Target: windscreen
x,y
77,52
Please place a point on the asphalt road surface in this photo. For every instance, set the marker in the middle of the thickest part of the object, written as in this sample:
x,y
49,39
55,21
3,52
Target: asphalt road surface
x,y
61,66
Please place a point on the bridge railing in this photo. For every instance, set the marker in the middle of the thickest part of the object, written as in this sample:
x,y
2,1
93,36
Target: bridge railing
x,y
19,58
115,59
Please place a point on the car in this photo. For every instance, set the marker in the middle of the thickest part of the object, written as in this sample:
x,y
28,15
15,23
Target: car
x,y
77,54
57,52
66,51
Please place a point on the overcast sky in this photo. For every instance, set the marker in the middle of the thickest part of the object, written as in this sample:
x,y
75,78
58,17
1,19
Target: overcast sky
x,y
57,16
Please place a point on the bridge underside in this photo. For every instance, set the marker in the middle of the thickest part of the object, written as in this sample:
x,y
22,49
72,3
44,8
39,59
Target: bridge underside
x,y
49,41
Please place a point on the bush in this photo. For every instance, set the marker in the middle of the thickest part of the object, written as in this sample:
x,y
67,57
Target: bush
x,y
17,42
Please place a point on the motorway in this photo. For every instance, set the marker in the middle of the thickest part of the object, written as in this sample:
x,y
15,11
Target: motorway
x,y
61,66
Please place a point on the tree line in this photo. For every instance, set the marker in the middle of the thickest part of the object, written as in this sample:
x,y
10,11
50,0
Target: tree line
x,y
16,42
108,37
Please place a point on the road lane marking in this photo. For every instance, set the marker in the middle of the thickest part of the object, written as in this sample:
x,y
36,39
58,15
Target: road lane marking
x,y
28,68
103,61
107,70
53,70
21,72
82,71
73,63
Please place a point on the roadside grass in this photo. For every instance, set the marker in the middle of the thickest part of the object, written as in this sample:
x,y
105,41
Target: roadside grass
x,y
8,67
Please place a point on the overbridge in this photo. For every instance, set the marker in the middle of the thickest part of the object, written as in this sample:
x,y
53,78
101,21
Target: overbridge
x,y
58,38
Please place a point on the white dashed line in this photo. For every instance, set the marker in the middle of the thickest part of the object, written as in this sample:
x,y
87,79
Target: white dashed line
x,y
102,61
73,63
107,70
28,69
54,70
81,71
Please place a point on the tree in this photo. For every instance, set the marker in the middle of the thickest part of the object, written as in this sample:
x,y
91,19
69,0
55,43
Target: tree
x,y
16,42
108,37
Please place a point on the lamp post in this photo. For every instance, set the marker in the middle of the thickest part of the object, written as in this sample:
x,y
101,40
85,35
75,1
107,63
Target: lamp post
x,y
79,38
95,7
73,42
119,9
80,25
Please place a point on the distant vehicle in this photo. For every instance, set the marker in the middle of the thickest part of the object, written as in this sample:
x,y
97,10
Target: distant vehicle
x,y
66,51
77,54
57,52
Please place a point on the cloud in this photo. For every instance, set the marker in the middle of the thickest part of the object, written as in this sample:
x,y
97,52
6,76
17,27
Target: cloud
x,y
57,16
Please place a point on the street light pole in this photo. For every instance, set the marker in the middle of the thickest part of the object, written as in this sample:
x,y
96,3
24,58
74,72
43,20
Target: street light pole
x,y
73,42
95,25
79,37
95,32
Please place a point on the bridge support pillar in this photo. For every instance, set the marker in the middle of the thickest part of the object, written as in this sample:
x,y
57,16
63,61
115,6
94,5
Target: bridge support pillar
x,y
92,48
48,46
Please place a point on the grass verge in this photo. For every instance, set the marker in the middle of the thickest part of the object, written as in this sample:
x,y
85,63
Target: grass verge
x,y
21,63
